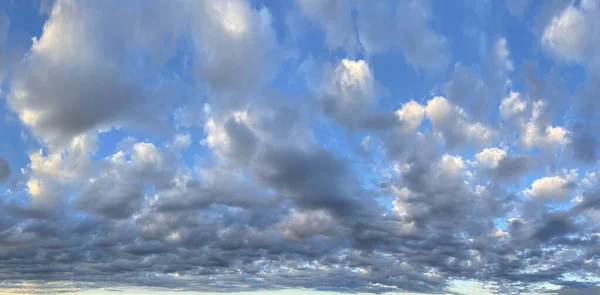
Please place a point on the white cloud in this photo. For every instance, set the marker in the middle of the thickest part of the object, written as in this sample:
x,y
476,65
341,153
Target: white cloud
x,y
490,157
512,106
335,18
236,45
543,137
553,188
45,194
537,133
68,165
452,123
451,166
348,92
501,55
572,35
182,140
384,26
232,138
75,79
411,114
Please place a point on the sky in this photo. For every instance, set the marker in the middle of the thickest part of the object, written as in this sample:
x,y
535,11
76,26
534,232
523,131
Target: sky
x,y
299,147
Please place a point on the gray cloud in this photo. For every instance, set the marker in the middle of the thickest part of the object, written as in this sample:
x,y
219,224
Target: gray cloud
x,y
405,25
60,92
4,170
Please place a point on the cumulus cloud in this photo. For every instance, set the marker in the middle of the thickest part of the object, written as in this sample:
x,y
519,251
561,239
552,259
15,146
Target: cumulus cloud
x,y
74,80
512,106
491,157
99,86
453,125
349,92
570,35
411,115
539,133
558,187
228,34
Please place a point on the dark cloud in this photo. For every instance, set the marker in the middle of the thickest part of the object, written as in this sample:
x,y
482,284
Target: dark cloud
x,y
512,167
467,90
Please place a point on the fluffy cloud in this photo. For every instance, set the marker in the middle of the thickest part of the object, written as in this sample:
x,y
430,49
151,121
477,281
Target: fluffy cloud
x,y
491,157
349,92
558,187
452,123
411,115
512,106
228,34
74,80
539,133
98,85
570,35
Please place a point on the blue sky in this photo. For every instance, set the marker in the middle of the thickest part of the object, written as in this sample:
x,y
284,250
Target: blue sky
x,y
296,146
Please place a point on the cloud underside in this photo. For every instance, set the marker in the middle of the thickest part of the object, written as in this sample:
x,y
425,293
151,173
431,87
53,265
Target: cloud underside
x,y
237,185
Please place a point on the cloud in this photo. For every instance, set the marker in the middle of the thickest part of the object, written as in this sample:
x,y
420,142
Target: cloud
x,y
466,90
73,80
411,115
569,35
117,191
4,26
501,55
517,8
491,157
536,133
406,22
228,34
209,146
454,126
558,187
4,170
335,18
93,79
349,92
512,106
